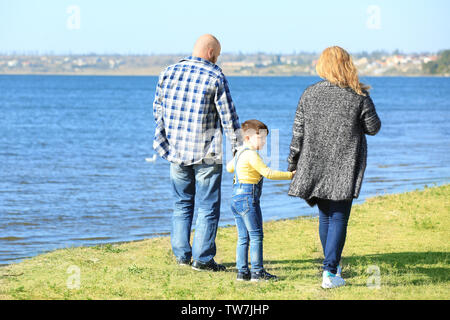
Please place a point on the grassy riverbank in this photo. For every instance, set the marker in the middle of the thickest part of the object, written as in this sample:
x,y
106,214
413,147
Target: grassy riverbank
x,y
405,237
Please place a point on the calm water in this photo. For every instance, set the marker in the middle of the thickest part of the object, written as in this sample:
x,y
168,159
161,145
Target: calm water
x,y
73,149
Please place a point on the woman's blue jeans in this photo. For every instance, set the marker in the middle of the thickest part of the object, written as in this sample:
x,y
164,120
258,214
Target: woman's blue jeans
x,y
201,183
246,208
333,220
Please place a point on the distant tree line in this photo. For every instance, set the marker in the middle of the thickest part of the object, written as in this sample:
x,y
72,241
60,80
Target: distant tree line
x,y
440,66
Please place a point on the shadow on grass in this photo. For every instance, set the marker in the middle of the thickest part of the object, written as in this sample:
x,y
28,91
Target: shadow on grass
x,y
416,267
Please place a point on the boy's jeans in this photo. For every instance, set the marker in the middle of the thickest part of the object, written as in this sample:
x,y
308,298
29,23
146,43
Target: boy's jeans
x,y
333,220
203,181
246,208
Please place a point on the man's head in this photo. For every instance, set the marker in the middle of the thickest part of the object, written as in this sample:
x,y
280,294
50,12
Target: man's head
x,y
207,47
254,133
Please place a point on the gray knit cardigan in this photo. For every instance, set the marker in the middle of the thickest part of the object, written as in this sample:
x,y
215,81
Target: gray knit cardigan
x,y
329,147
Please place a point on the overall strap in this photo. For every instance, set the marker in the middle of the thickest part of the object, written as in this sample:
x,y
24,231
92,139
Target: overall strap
x,y
236,158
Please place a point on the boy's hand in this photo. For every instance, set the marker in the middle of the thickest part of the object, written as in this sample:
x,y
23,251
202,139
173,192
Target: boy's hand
x,y
293,172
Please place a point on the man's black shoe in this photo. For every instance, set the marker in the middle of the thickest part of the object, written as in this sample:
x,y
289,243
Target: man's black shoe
x,y
210,266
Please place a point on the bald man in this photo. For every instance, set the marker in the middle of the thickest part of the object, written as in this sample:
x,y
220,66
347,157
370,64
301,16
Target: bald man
x,y
192,108
207,47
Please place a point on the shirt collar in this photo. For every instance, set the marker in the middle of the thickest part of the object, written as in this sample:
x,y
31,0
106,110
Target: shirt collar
x,y
247,146
201,60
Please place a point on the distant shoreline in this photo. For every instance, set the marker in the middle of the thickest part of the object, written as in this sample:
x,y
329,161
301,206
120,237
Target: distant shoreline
x,y
375,64
142,74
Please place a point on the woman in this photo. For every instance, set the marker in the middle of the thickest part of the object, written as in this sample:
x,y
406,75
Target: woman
x,y
329,151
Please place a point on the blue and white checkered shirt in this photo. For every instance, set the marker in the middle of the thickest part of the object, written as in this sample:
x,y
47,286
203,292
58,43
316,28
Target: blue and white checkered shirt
x,y
192,107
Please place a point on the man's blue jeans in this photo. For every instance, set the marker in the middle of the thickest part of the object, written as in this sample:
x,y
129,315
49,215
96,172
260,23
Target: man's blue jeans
x,y
188,182
333,220
247,213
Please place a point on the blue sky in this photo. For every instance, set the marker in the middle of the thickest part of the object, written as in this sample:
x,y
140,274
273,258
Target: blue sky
x,y
169,26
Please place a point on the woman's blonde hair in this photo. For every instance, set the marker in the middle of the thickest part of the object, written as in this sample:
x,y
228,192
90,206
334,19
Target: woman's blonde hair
x,y
336,66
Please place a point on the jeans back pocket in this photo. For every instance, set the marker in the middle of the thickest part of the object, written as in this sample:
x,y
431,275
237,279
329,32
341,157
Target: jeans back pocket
x,y
240,204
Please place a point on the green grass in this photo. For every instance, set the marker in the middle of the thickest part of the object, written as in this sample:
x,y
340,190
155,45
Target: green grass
x,y
405,237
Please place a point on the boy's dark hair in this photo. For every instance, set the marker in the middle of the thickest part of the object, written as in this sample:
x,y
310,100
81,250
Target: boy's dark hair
x,y
255,126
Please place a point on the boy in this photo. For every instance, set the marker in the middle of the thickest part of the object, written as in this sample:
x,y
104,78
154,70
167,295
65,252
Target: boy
x,y
249,171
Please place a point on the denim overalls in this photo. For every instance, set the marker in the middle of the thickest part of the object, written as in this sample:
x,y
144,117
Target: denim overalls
x,y
247,212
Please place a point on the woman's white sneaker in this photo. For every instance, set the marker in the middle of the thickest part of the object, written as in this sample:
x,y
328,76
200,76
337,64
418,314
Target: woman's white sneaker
x,y
330,281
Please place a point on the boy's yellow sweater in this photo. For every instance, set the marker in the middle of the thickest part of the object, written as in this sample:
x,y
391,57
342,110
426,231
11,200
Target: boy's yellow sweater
x,y
250,168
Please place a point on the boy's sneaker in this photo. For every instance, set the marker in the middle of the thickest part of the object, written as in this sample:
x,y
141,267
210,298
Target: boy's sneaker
x,y
210,266
263,275
330,281
184,262
243,276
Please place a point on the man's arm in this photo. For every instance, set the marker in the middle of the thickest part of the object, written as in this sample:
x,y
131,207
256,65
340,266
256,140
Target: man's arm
x,y
158,112
157,103
227,113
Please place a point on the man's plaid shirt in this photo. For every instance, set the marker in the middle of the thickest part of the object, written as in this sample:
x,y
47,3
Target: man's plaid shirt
x,y
192,107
